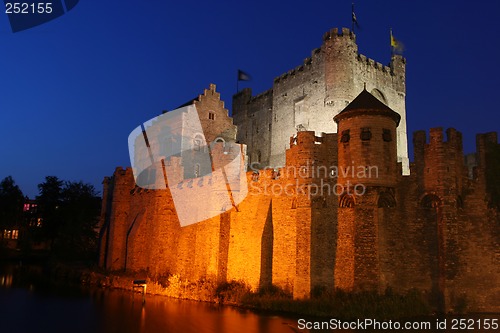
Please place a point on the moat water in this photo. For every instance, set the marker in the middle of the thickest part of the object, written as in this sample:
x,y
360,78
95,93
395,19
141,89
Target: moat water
x,y
26,307
29,307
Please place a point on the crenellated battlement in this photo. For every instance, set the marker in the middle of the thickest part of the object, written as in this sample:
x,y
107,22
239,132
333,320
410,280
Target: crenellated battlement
x,y
262,95
121,172
484,138
437,137
483,143
370,63
336,33
305,138
439,161
305,67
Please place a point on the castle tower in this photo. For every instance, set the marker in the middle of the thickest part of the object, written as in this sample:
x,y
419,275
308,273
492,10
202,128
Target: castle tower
x,y
441,174
366,142
117,211
341,51
309,161
367,173
307,97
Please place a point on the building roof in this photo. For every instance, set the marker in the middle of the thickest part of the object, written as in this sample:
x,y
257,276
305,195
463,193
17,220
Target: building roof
x,y
366,103
190,102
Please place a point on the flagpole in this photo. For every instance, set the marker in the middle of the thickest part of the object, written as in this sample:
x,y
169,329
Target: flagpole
x,y
392,47
352,18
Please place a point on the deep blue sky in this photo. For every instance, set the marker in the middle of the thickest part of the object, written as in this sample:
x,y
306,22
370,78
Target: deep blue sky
x,y
72,90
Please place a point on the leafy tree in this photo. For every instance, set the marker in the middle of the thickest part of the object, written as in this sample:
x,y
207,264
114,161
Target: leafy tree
x,y
79,213
49,201
11,203
70,212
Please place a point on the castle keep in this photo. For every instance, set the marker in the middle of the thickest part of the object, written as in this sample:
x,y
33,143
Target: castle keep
x,y
339,213
307,98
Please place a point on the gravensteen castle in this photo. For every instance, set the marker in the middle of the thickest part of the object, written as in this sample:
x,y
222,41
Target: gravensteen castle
x,y
342,207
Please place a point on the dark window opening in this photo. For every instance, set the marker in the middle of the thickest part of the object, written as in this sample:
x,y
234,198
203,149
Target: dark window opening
x,y
366,134
386,200
386,135
211,116
345,136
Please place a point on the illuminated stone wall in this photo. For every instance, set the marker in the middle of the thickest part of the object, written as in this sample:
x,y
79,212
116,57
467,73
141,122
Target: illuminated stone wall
x,y
434,230
310,95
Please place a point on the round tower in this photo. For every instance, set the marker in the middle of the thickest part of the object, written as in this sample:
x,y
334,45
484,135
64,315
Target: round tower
x,y
367,143
341,53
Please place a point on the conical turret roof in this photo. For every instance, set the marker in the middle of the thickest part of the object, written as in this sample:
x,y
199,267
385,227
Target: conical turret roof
x,y
366,103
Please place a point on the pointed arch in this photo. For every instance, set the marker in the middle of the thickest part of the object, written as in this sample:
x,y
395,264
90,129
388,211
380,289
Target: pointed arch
x,y
380,96
386,200
430,201
347,201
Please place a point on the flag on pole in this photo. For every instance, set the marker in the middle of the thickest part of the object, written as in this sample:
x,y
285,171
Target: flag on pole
x,y
396,45
354,19
242,76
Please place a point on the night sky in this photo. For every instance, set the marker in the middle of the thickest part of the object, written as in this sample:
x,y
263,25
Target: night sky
x,y
72,90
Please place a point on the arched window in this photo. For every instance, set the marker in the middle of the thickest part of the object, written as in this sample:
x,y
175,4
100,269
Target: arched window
x,y
219,139
380,96
198,142
346,201
345,136
386,200
430,201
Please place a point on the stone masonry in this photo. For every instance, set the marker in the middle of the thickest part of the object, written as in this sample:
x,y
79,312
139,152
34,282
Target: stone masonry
x,y
338,215
307,98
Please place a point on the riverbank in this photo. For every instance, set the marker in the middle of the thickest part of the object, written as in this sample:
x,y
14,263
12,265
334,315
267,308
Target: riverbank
x,y
323,304
32,305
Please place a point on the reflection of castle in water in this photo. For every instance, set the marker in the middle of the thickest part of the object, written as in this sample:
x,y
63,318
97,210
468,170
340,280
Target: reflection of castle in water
x,y
436,229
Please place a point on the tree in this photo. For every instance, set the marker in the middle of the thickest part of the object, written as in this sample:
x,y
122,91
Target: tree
x,y
70,212
49,201
79,213
11,203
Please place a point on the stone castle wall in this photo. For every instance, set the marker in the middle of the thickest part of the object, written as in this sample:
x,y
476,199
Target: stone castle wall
x,y
437,234
436,230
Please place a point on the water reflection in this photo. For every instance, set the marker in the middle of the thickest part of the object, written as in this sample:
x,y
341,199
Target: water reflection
x,y
6,280
123,312
119,311
32,307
